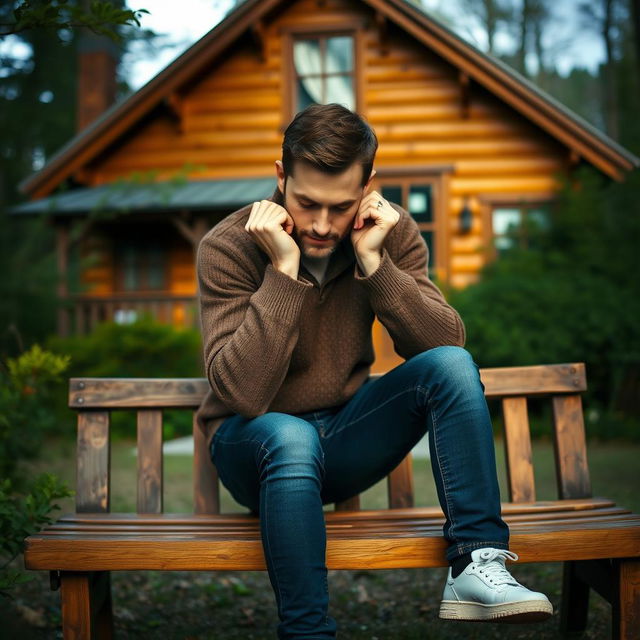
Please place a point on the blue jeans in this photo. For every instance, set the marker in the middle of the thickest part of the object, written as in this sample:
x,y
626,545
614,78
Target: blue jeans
x,y
284,467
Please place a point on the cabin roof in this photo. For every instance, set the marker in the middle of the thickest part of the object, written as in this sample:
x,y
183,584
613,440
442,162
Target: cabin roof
x,y
122,196
582,138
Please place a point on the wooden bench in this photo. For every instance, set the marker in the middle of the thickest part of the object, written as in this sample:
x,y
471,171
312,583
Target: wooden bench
x,y
598,542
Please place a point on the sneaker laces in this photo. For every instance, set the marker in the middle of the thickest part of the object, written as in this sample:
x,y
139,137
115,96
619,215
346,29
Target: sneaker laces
x,y
492,565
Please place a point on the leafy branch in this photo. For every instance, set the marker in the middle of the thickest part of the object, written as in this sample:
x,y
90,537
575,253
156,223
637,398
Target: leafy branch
x,y
101,17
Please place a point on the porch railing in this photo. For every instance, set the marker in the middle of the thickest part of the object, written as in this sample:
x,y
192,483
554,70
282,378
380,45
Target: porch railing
x,y
81,313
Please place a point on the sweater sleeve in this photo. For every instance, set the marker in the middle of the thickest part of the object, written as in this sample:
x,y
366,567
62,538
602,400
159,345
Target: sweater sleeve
x,y
249,328
408,304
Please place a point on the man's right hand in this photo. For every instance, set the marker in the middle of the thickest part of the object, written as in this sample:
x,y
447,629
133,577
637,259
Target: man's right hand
x,y
271,227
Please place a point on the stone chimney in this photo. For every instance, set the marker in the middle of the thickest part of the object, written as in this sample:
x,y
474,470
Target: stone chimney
x,y
97,63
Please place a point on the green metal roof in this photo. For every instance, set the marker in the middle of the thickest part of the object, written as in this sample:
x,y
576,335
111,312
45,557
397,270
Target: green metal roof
x,y
156,196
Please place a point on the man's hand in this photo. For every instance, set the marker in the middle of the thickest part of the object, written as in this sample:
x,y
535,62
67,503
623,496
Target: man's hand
x,y
373,222
271,227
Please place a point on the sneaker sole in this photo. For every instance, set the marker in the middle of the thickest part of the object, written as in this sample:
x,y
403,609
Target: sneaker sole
x,y
516,612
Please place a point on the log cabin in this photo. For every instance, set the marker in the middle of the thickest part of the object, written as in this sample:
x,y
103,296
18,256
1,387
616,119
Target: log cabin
x,y
467,145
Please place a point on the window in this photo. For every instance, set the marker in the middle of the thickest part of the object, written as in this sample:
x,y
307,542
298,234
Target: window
x,y
417,199
141,266
324,71
516,225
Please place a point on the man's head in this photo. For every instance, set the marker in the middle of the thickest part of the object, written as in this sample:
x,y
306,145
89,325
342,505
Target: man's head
x,y
326,169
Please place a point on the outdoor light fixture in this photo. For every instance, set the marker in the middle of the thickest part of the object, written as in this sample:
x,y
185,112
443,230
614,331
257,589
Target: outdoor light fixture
x,y
466,217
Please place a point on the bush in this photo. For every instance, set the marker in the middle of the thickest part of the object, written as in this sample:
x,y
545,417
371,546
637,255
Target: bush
x,y
572,297
28,385
21,515
143,349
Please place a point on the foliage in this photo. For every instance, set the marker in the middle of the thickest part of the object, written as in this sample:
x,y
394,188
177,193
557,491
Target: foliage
x,y
28,386
143,349
571,298
100,16
21,515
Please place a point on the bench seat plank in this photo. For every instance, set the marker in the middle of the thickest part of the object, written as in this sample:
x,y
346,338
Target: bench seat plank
x,y
347,548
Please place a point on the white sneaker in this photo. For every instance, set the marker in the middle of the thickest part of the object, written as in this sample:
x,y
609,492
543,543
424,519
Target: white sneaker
x,y
485,590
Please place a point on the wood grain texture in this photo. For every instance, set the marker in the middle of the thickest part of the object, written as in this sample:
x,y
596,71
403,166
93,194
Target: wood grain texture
x,y
206,488
93,462
75,593
400,485
543,542
517,442
149,498
165,393
626,606
572,471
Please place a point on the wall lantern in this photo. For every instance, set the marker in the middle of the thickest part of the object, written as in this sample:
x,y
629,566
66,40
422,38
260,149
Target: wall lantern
x,y
465,217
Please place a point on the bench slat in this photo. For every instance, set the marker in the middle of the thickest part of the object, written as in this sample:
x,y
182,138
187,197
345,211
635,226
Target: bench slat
x,y
517,442
206,488
572,472
137,393
534,380
93,462
165,393
400,485
350,504
217,526
546,542
149,461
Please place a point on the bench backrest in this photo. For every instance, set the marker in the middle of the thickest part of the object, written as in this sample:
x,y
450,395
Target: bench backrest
x,y
95,398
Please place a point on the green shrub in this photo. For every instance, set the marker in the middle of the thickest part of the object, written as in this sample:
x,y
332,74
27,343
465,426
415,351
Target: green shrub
x,y
143,349
29,386
22,514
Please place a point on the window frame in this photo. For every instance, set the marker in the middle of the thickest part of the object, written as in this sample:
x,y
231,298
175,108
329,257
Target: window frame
x,y
524,202
438,179
353,28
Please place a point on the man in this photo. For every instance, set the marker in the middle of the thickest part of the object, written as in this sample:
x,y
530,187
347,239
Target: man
x,y
289,288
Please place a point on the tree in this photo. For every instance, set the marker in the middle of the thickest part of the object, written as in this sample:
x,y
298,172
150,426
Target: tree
x,y
100,16
490,14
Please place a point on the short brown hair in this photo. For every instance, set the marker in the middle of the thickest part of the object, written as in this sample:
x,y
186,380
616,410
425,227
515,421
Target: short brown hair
x,y
330,138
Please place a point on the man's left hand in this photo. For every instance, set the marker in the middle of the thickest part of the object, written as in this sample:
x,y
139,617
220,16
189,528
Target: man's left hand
x,y
373,222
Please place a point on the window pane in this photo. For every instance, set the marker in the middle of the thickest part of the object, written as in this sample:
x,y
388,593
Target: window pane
x,y
420,203
428,238
539,218
306,56
339,54
340,90
504,243
393,194
503,219
156,264
304,98
130,268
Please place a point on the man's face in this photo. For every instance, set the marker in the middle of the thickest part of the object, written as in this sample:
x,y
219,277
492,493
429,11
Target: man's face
x,y
323,206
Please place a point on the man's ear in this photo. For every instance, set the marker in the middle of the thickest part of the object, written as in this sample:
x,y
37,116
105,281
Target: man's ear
x,y
369,181
280,175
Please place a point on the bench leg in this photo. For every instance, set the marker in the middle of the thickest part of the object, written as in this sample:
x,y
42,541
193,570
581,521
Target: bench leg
x,y
574,608
626,600
86,606
75,591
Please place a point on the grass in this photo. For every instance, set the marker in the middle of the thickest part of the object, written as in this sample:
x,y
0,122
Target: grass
x,y
399,604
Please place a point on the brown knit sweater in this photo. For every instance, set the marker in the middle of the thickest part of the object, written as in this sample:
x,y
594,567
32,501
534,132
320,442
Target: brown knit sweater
x,y
272,343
